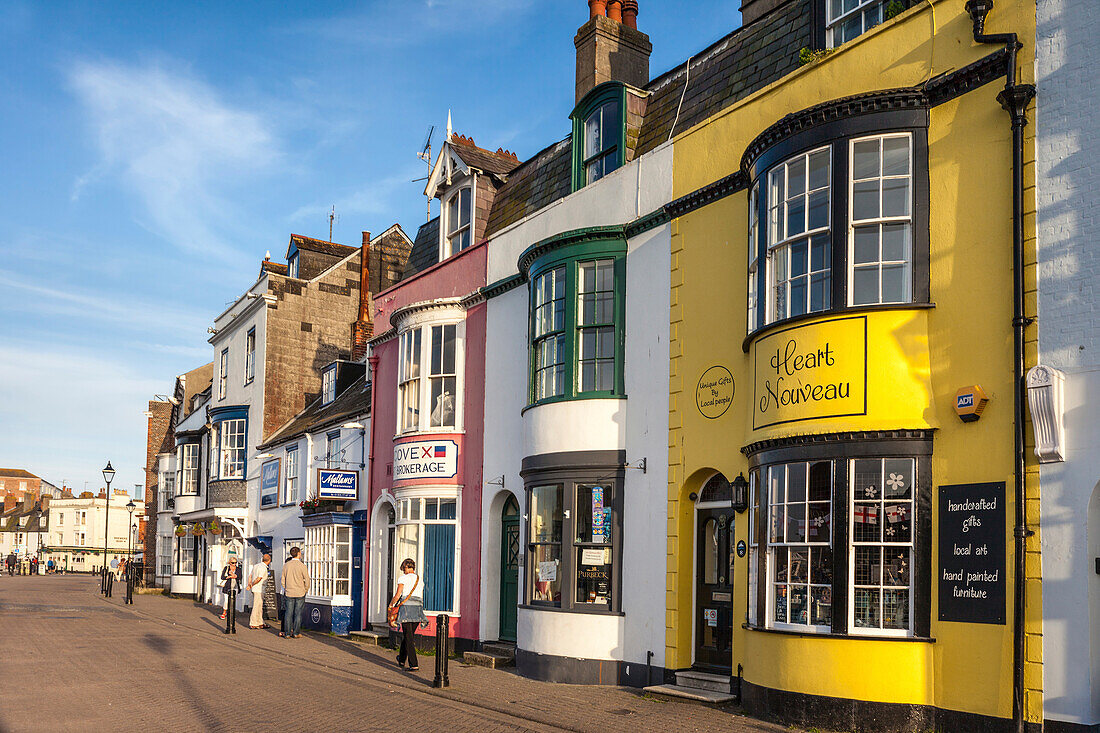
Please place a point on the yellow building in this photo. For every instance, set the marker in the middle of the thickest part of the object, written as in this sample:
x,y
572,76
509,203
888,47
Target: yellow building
x,y
845,350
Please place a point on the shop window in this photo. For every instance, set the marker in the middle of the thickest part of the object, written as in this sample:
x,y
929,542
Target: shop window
x,y
189,469
426,532
328,558
848,19
458,231
847,550
598,134
855,204
290,480
429,403
545,545
576,329
800,544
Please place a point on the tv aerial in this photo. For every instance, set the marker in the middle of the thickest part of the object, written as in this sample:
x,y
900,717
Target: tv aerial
x,y
425,155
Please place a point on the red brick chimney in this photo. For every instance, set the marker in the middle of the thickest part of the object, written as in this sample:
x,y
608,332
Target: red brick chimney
x,y
610,47
9,502
363,328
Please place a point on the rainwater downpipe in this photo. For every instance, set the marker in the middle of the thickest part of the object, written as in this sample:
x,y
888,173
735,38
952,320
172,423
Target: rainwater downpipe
x,y
1014,98
373,361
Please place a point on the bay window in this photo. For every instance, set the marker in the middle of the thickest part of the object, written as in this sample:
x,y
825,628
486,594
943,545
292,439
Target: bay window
x,y
573,531
839,225
428,391
327,555
847,538
426,532
186,549
576,323
458,229
231,435
189,469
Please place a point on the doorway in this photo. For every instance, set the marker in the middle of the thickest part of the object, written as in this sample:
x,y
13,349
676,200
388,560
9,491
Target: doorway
x,y
714,548
509,569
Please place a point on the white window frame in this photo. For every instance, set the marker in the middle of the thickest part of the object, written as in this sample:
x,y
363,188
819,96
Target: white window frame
x,y
250,355
754,257
333,457
60,519
223,372
230,441
405,516
188,484
414,391
177,564
879,221
781,246
321,550
447,232
882,501
164,556
328,385
607,149
833,22
290,480
292,266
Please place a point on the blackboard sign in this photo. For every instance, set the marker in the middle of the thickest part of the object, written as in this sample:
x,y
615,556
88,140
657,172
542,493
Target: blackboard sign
x,y
271,605
972,553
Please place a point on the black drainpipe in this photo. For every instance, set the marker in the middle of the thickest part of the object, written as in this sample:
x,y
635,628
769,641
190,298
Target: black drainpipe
x,y
1014,98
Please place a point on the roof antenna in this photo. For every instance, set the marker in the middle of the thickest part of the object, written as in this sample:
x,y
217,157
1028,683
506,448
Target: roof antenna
x,y
425,155
331,218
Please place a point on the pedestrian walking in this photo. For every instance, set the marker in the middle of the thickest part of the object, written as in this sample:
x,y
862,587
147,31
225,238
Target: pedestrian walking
x,y
11,563
49,566
231,585
295,581
406,611
256,585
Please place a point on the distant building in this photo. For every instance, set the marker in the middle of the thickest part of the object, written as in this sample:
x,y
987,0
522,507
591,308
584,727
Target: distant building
x,y
18,482
75,527
22,524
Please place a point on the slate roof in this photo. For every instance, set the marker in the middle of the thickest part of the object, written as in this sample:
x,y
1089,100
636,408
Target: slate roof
x,y
353,401
499,163
277,267
744,61
18,472
319,245
425,249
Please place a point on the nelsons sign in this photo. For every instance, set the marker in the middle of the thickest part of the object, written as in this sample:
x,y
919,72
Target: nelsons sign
x,y
813,371
425,459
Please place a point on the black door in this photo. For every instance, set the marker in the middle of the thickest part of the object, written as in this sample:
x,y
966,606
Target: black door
x,y
714,590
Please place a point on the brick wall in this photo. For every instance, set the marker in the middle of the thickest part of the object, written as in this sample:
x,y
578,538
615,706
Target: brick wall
x,y
158,440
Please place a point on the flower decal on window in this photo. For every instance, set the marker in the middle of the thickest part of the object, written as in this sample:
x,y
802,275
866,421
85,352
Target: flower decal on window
x,y
896,481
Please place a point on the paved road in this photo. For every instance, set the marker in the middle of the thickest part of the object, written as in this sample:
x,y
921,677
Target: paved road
x,y
72,661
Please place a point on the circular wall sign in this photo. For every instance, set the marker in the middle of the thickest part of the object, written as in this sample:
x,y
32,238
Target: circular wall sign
x,y
316,615
740,548
714,393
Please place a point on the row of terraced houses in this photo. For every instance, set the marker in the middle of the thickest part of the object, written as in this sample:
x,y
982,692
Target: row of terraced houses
x,y
767,382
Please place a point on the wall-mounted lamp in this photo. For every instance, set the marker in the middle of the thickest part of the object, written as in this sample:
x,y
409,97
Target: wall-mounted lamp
x,y
740,494
266,455
353,426
1045,387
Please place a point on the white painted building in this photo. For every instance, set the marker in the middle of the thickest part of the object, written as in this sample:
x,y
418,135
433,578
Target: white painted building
x,y
76,530
1068,178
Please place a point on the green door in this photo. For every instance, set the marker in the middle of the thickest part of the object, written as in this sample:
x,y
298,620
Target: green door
x,y
509,569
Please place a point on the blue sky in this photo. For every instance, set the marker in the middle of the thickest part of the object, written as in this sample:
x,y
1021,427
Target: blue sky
x,y
152,152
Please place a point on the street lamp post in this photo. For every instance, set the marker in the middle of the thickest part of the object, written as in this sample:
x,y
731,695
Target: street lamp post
x,y
108,476
130,506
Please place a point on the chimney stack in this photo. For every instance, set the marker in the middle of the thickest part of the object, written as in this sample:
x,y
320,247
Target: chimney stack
x,y
610,47
363,328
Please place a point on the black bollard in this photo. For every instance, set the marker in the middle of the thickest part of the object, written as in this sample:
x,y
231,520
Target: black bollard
x,y
110,583
231,612
442,645
129,585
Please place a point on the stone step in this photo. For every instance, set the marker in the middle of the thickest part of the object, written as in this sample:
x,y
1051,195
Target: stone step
x,y
485,659
709,697
703,681
500,648
374,638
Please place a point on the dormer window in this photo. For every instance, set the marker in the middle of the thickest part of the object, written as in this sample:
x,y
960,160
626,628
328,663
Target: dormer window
x,y
599,136
328,385
292,266
851,18
458,232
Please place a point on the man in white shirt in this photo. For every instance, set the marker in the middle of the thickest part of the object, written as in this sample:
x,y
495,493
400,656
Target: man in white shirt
x,y
256,584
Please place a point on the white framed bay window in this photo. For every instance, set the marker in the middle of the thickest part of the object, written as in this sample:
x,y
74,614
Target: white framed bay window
x,y
430,377
881,220
327,555
427,533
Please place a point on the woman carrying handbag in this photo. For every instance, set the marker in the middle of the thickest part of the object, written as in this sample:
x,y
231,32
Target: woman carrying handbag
x,y
406,612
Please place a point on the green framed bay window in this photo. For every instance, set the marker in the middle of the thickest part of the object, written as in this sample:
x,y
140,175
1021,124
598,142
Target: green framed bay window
x,y
599,134
577,315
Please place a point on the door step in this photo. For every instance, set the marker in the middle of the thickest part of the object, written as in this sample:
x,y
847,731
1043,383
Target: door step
x,y
493,655
710,697
372,638
693,678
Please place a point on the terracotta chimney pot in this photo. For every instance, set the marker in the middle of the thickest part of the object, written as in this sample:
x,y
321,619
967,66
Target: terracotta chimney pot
x,y
615,10
630,13
597,7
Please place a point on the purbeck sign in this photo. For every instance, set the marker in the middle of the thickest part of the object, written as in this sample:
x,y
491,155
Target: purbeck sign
x,y
339,485
425,459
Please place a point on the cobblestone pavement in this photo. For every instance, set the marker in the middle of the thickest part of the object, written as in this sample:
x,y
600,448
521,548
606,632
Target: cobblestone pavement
x,y
73,661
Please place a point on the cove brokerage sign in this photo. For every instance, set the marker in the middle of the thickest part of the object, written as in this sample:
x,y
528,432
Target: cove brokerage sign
x,y
425,459
813,371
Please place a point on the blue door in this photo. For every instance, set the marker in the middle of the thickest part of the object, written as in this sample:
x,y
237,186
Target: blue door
x,y
358,537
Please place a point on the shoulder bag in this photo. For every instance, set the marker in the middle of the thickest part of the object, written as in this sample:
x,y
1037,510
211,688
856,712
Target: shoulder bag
x,y
391,614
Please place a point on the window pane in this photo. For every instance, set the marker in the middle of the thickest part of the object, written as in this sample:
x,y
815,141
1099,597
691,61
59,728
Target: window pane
x,y
865,200
546,514
865,159
821,565
895,242
865,244
895,283
710,552
865,286
592,129
546,566
796,217
464,210
819,210
819,169
866,608
796,177
895,156
895,609
593,575
593,520
865,522
895,197
899,478
609,134
439,567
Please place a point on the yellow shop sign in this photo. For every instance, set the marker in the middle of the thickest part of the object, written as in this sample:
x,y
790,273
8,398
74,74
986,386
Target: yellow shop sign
x,y
812,371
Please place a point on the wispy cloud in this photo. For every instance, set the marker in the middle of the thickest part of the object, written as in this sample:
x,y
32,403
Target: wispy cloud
x,y
179,146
